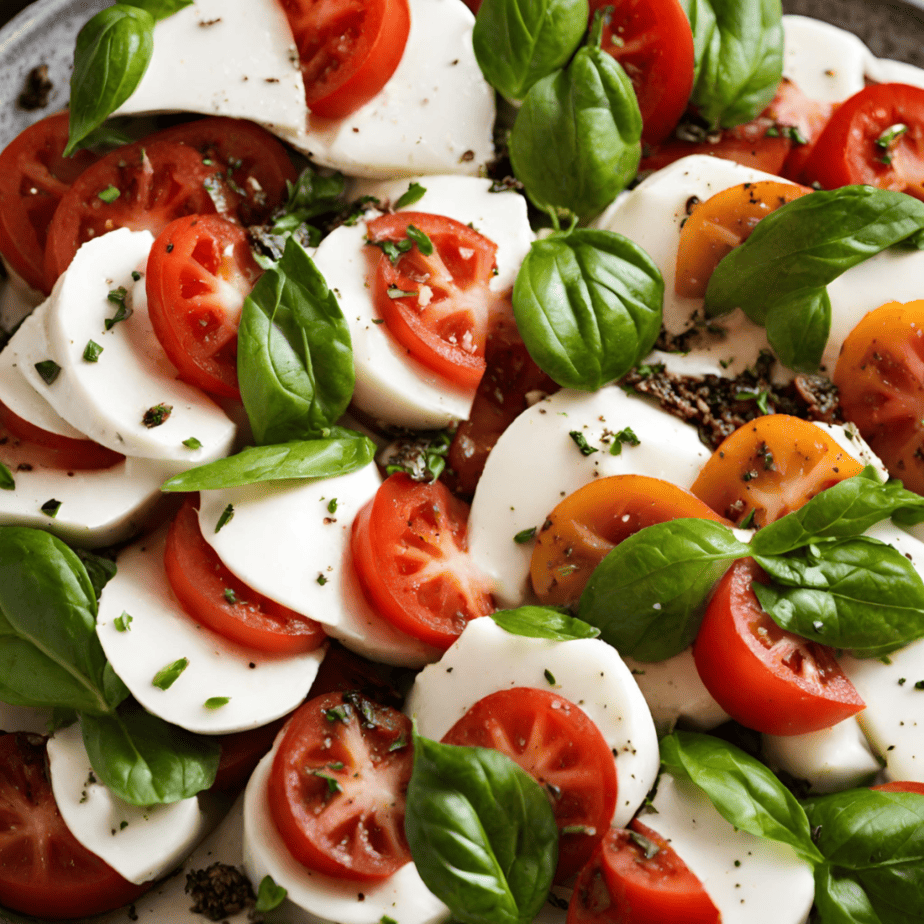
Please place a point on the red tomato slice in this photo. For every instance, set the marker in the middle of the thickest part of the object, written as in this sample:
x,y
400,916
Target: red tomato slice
x,y
142,186
199,272
44,871
410,551
34,175
444,318
337,787
880,375
653,41
240,754
561,748
768,679
792,110
348,49
213,596
901,786
636,877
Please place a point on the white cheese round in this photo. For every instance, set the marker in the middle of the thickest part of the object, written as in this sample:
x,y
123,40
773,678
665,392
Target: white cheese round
x,y
826,63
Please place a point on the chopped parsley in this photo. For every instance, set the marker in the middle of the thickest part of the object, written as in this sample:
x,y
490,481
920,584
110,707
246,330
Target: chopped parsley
x,y
332,785
424,244
157,415
122,623
581,442
415,192
192,443
48,369
167,676
51,507
123,312
229,595
332,505
627,437
110,193
549,676
216,702
91,351
525,535
225,517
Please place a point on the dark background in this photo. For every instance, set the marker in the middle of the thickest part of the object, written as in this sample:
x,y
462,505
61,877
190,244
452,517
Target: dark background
x,y
9,8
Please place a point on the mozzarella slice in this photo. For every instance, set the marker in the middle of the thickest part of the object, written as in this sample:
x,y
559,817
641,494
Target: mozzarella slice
x,y
224,57
536,463
750,880
108,399
826,63
138,842
290,540
259,687
390,385
401,897
588,672
435,114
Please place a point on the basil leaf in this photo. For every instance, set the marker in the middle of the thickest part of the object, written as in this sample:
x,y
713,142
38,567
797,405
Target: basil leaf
x,y
877,839
859,594
100,570
648,595
576,141
146,761
518,42
744,791
159,9
543,622
112,53
481,832
588,305
798,326
703,23
295,358
311,195
841,900
318,458
739,45
49,652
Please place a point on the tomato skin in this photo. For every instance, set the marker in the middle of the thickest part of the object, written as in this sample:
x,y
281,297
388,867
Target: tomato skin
x,y
901,786
653,41
199,580
766,678
555,742
376,758
199,272
241,752
880,376
348,51
410,551
44,871
792,108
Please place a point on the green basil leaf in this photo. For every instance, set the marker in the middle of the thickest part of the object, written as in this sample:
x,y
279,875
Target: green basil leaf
x,y
311,195
146,761
648,595
49,652
841,899
877,839
543,622
740,58
318,458
112,53
295,358
159,9
576,141
588,305
518,42
100,570
744,791
797,326
859,594
481,832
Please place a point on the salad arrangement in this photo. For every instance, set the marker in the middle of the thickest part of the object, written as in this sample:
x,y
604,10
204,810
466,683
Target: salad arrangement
x,y
443,278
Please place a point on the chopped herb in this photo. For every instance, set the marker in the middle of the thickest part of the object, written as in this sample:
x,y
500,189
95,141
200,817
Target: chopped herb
x,y
123,312
893,132
157,415
395,292
549,676
902,681
225,517
424,244
761,397
625,436
7,482
336,715
385,919
748,521
167,676
110,194
48,369
216,702
397,745
230,595
192,443
649,848
51,507
269,895
525,535
332,505
392,249
581,443
91,351
136,275
332,785
415,192
122,623
576,829
321,579
919,685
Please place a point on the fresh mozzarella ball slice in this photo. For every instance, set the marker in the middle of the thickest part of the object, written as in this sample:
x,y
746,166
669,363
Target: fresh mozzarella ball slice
x,y
391,386
401,897
826,63
588,672
138,842
435,114
291,542
882,70
749,879
830,760
109,399
536,463
224,58
260,687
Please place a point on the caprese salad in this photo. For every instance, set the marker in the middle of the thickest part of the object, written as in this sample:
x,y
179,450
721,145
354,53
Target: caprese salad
x,y
523,526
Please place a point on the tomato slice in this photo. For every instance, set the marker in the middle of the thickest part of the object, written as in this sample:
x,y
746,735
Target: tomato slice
x,y
771,466
34,176
804,119
768,679
653,42
444,317
44,870
554,741
579,533
241,752
877,138
199,272
880,375
213,596
410,551
337,787
718,225
636,877
901,786
349,49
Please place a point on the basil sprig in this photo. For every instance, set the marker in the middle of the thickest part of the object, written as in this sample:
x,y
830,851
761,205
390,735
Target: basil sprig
x,y
588,305
543,622
311,195
481,832
778,275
